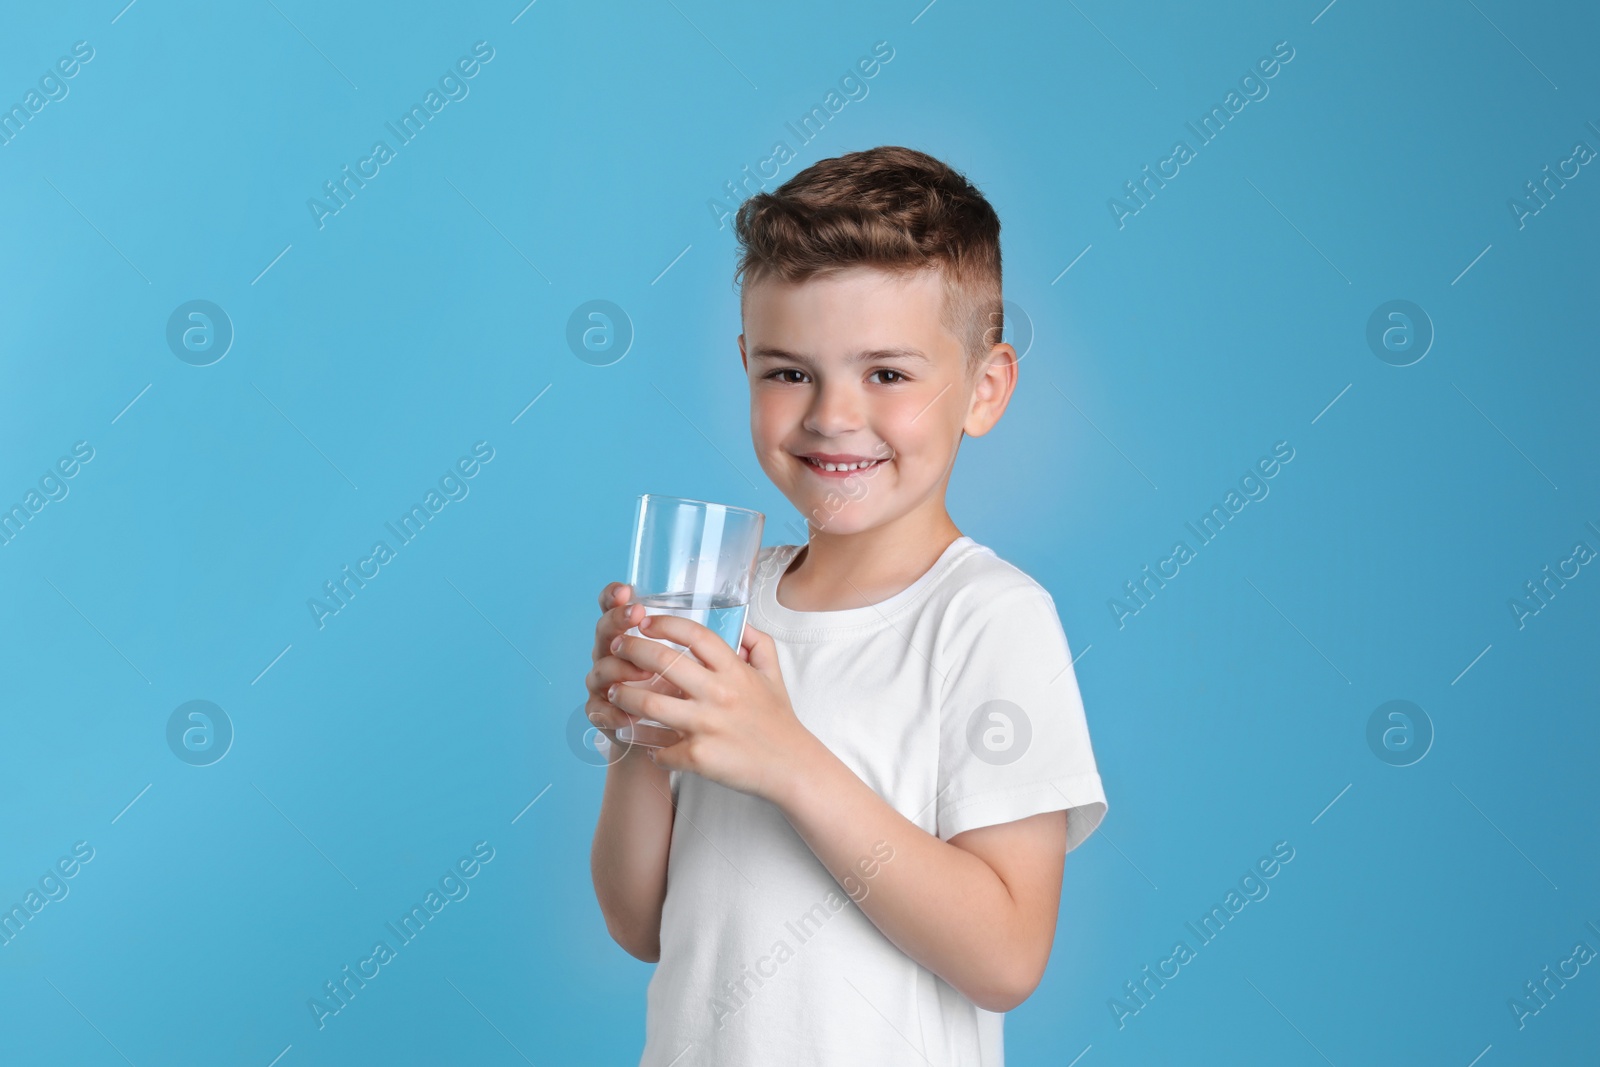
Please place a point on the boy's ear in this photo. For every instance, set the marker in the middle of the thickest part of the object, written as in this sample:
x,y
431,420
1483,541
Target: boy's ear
x,y
991,390
743,359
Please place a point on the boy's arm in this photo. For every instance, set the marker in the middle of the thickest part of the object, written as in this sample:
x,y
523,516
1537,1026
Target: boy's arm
x,y
979,910
628,859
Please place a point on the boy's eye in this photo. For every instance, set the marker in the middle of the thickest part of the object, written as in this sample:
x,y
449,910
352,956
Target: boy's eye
x,y
779,375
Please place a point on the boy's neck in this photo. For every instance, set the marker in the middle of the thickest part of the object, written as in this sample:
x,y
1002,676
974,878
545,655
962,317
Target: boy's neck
x,y
835,572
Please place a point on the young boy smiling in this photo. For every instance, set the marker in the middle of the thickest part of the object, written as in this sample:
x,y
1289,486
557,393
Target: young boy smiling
x,y
854,853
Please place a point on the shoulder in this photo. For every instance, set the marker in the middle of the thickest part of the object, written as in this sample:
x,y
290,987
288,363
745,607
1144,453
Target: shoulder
x,y
992,610
982,584
998,632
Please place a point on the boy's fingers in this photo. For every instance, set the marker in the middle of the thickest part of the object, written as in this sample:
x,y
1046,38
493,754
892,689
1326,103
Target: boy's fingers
x,y
613,622
609,669
614,619
671,757
708,647
608,719
606,715
648,704
759,648
682,669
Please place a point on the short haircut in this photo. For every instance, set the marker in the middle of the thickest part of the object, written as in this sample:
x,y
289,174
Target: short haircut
x,y
892,208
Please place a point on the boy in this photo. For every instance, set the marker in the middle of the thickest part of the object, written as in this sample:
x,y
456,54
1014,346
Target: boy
x,y
863,864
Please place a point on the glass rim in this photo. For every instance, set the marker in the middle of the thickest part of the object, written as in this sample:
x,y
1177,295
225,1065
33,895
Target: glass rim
x,y
700,503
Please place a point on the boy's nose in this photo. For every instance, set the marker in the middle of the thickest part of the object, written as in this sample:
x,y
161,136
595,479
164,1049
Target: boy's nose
x,y
837,411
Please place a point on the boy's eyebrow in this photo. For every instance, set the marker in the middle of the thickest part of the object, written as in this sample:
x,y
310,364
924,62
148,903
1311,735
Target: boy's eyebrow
x,y
771,352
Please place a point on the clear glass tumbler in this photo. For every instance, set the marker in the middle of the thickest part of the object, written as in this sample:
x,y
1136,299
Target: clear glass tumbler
x,y
697,560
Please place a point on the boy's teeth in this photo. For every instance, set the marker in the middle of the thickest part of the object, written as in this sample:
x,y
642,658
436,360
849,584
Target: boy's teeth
x,y
843,466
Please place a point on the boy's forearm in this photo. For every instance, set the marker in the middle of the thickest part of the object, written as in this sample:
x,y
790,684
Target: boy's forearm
x,y
939,904
628,860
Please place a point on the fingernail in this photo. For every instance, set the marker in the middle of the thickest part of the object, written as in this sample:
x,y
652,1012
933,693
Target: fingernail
x,y
611,694
594,719
616,644
644,622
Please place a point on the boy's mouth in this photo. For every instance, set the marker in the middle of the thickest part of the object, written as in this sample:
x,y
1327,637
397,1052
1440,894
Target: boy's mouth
x,y
839,466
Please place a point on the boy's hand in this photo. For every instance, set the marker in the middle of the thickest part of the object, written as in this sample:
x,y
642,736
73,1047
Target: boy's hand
x,y
734,715
617,616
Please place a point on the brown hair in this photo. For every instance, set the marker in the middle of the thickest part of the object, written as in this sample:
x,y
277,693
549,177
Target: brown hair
x,y
892,208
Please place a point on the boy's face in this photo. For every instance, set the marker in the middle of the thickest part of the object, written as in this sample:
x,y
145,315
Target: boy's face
x,y
858,365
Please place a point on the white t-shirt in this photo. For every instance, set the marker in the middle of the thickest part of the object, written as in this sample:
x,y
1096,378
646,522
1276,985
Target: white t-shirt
x,y
956,701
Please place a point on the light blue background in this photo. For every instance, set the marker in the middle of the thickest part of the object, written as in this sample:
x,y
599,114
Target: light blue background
x,y
1227,315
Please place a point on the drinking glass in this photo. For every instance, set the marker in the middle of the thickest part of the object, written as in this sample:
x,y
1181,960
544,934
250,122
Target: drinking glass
x,y
696,560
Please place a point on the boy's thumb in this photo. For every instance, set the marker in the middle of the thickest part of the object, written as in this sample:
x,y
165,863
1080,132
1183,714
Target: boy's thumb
x,y
760,650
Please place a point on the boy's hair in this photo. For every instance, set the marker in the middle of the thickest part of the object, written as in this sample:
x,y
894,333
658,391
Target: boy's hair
x,y
893,208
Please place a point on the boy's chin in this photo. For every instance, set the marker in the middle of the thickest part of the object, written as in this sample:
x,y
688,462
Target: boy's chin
x,y
837,524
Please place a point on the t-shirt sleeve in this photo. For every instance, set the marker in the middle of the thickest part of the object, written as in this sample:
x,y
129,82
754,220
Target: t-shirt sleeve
x,y
1013,739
